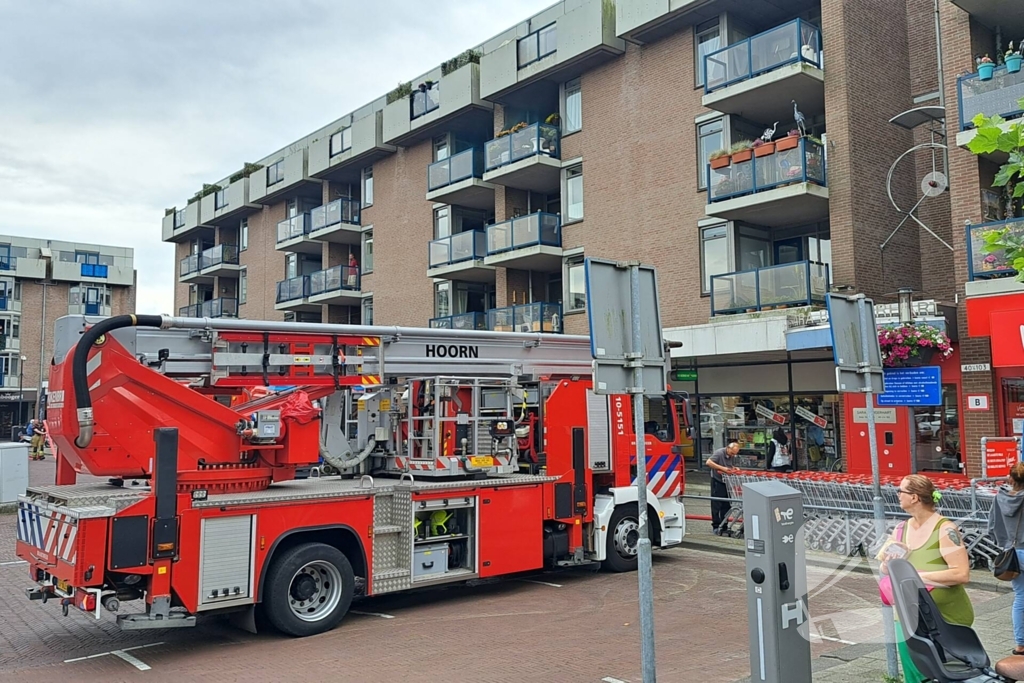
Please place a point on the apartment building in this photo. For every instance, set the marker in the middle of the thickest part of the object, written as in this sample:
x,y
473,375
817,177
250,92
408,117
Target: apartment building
x,y
40,281
469,196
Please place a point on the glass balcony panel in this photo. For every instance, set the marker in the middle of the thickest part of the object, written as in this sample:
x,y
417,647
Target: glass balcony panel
x,y
440,252
293,289
498,152
464,245
999,95
734,292
439,174
499,237
290,228
462,165
982,264
796,41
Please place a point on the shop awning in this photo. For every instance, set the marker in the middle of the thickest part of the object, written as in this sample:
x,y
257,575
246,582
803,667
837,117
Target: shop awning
x,y
1007,331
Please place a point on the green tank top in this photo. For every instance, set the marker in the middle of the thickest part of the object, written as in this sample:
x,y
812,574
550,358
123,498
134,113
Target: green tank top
x,y
953,602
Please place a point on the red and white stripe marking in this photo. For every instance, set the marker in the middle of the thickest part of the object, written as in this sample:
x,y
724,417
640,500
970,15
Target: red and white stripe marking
x,y
59,538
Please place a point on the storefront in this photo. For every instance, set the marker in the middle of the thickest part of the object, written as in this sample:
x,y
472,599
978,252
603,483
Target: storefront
x,y
15,413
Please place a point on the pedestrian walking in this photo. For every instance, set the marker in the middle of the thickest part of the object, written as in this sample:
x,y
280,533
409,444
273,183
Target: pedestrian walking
x,y
779,459
932,544
721,462
1004,524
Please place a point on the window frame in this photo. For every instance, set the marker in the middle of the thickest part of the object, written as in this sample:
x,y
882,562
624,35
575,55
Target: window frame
x,y
277,170
445,285
220,199
243,234
570,173
366,264
568,265
534,36
702,164
571,88
345,137
443,213
366,200
243,286
366,305
705,279
698,58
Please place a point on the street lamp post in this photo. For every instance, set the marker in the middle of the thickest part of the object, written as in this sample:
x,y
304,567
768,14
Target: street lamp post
x,y
21,391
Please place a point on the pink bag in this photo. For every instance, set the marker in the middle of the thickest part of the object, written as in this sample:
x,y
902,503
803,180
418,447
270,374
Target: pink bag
x,y
885,585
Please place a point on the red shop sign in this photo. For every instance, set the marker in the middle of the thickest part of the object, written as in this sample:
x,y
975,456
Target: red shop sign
x,y
1007,338
998,457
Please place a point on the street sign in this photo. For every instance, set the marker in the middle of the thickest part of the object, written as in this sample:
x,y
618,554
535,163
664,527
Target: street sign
x,y
998,455
609,310
685,375
844,319
912,387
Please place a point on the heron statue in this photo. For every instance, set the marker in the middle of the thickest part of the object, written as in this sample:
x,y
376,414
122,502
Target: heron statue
x,y
798,116
769,133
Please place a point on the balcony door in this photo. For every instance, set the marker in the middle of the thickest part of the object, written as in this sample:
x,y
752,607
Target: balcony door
x,y
92,301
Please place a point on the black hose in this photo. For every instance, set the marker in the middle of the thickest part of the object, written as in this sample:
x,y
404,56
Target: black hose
x,y
79,375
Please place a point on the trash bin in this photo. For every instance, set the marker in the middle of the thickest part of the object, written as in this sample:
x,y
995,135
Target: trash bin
x,y
13,471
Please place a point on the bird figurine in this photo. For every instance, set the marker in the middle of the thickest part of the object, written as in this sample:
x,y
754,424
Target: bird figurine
x,y
769,133
798,116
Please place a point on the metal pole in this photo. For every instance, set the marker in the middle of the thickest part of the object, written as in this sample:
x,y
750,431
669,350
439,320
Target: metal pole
x,y
888,626
647,659
21,389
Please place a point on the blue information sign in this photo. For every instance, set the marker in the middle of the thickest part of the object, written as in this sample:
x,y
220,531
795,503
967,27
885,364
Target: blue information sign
x,y
912,387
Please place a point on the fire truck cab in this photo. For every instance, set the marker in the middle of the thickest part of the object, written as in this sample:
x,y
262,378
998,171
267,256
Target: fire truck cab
x,y
287,467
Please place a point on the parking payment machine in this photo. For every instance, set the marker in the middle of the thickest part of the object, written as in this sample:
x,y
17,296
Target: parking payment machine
x,y
780,650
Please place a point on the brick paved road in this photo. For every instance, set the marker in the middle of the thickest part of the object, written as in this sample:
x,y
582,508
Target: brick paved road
x,y
585,629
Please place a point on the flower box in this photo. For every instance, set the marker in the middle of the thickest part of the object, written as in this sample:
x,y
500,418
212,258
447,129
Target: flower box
x,y
740,157
788,142
720,162
764,150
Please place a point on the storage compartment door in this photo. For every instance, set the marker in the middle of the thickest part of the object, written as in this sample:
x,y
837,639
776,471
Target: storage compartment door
x,y
225,561
511,536
598,433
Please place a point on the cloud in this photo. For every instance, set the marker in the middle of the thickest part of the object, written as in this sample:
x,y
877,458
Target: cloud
x,y
113,110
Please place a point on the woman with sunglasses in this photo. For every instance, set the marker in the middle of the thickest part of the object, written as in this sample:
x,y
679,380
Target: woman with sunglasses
x,y
1004,524
934,547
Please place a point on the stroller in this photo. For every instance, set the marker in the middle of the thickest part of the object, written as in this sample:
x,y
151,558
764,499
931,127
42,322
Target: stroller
x,y
942,651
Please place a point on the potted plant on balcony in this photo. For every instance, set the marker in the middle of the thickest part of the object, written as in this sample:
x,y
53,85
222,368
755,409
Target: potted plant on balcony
x,y
742,151
791,141
1012,59
763,149
912,345
719,158
985,68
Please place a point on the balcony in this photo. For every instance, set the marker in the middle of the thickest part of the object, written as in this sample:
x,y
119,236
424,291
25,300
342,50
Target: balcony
x,y
560,43
527,159
532,242
803,283
293,234
228,205
282,179
339,286
23,267
996,96
460,321
995,14
460,257
458,180
777,190
337,222
338,161
452,102
188,271
185,225
293,295
190,311
760,77
982,265
535,317
223,307
220,261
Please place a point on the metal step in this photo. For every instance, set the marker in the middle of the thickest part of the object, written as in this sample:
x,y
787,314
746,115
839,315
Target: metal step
x,y
380,529
391,574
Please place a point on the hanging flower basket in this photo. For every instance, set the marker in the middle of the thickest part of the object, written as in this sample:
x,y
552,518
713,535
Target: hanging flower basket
x,y
913,345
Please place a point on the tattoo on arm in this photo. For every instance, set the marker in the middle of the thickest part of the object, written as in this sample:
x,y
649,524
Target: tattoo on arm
x,y
954,535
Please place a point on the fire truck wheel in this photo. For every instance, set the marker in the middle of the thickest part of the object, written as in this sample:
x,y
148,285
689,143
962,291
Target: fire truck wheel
x,y
623,534
308,589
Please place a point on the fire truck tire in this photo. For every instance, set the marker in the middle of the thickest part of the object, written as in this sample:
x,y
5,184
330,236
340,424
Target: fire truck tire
x,y
623,534
308,589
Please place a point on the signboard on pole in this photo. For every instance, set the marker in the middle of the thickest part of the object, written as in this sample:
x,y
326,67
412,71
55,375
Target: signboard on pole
x,y
912,386
811,417
609,311
848,344
998,455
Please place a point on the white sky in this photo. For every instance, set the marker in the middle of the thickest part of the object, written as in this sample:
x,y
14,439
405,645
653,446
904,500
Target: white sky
x,y
112,110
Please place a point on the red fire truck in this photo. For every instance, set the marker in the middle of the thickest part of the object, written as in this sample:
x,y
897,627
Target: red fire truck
x,y
382,459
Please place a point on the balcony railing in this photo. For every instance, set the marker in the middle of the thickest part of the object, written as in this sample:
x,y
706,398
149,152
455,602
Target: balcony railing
x,y
293,227
790,284
334,279
463,246
793,42
220,254
998,95
8,262
424,101
190,311
982,265
467,164
538,139
461,321
188,265
342,210
536,229
535,317
805,163
293,289
223,307
94,270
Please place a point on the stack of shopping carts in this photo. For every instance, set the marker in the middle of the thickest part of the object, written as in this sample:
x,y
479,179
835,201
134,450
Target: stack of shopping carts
x,y
839,517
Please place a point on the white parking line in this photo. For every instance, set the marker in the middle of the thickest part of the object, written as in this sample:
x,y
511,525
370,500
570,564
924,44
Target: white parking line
x,y
834,640
134,661
609,679
372,614
11,564
542,583
123,654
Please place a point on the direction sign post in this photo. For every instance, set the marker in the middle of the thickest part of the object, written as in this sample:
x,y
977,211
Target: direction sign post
x,y
858,355
629,358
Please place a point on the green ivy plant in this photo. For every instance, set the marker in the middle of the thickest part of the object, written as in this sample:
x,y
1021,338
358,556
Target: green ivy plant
x,y
990,137
247,170
403,90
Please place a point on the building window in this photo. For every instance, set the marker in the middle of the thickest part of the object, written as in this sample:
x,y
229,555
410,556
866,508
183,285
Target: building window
x,y
708,39
220,199
440,148
537,45
243,232
291,266
572,121
368,251
341,141
368,186
442,299
368,311
425,100
442,222
179,218
710,137
714,254
243,285
574,193
275,173
17,290
90,257
576,291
